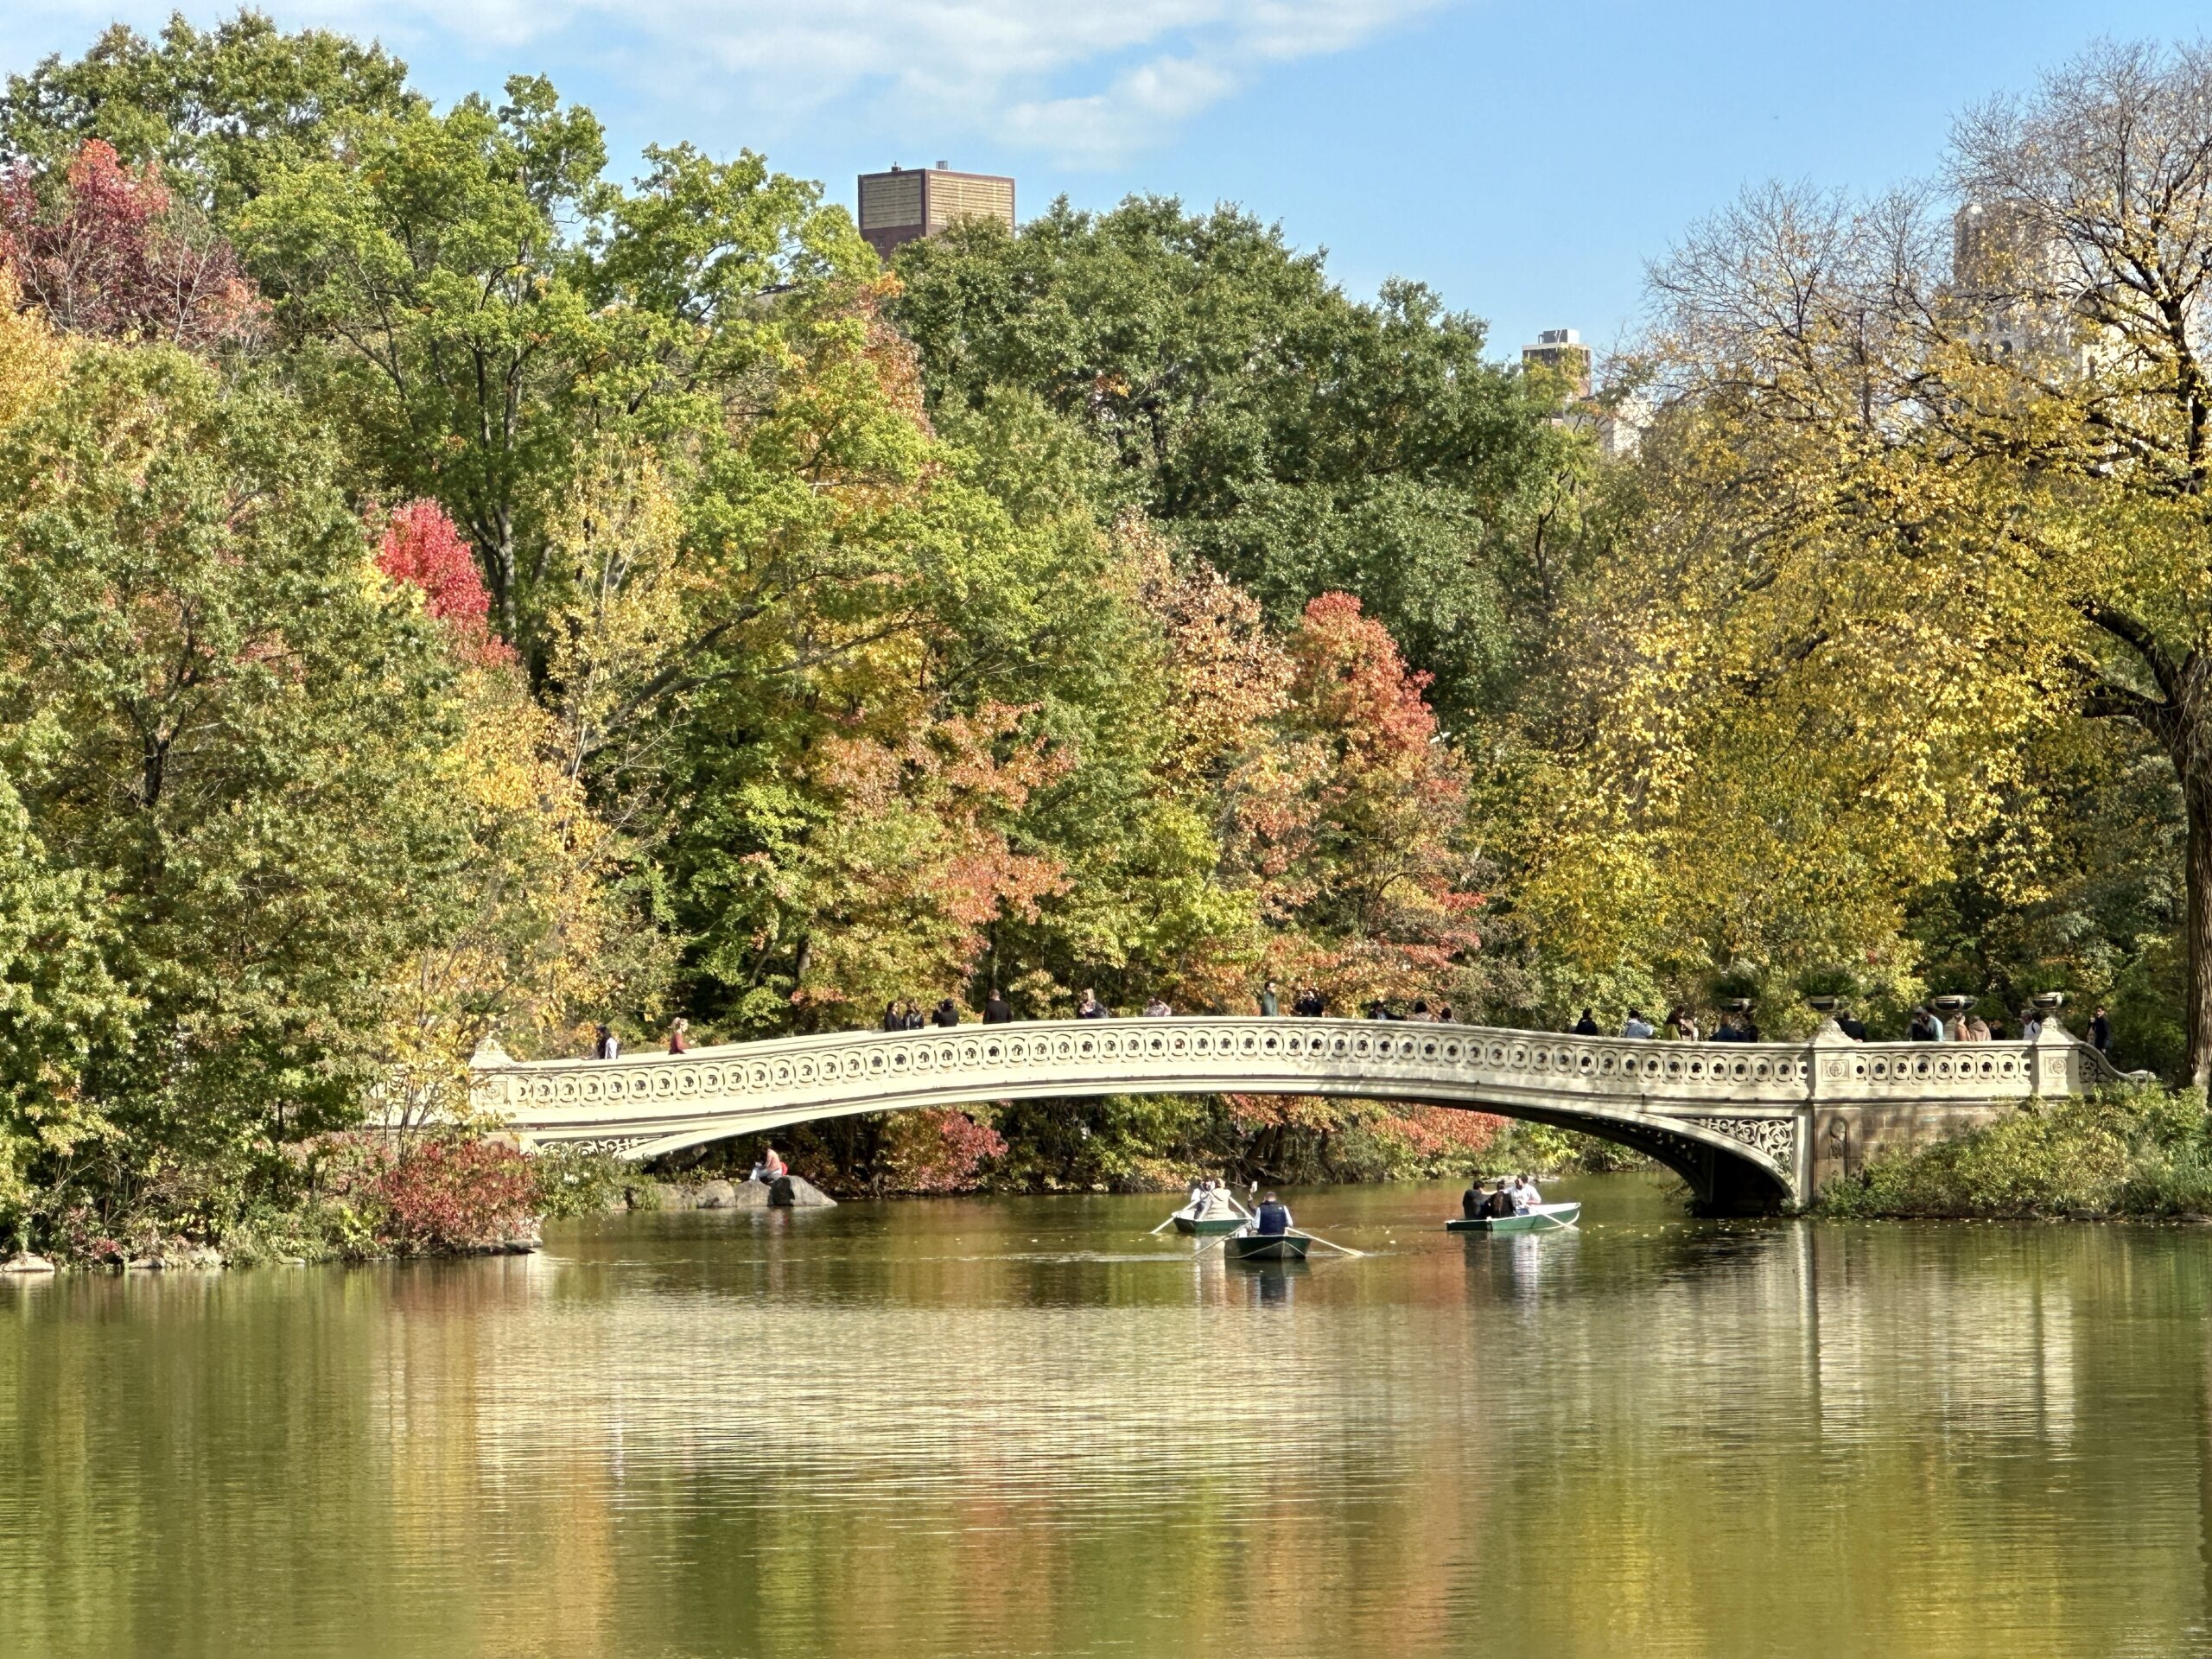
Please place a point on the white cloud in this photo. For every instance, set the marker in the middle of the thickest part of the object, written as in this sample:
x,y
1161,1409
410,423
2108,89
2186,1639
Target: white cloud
x,y
1086,83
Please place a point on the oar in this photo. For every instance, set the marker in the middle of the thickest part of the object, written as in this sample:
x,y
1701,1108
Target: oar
x,y
1318,1239
1164,1225
1218,1238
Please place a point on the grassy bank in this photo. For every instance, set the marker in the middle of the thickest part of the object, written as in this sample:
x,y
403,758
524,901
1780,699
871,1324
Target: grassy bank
x,y
2142,1152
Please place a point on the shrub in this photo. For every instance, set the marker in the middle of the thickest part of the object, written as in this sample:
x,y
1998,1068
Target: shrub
x,y
2132,1152
456,1193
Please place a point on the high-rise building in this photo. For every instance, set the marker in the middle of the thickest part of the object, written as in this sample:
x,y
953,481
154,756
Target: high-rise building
x,y
1561,351
908,202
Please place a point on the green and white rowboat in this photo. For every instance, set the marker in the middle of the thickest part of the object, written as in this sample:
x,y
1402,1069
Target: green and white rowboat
x,y
1544,1218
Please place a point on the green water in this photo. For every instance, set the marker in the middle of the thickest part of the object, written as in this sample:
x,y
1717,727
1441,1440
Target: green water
x,y
1022,1427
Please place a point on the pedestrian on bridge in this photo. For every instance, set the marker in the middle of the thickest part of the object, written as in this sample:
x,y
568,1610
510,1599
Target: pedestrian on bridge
x,y
997,1011
608,1046
678,1040
1092,1008
1157,1008
1637,1026
1269,1004
1588,1025
946,1015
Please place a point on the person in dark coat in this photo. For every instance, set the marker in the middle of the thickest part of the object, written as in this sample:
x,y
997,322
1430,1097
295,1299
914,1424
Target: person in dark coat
x,y
1471,1201
946,1015
1500,1203
1274,1218
997,1011
1588,1025
1092,1008
1854,1029
1269,1006
2101,1033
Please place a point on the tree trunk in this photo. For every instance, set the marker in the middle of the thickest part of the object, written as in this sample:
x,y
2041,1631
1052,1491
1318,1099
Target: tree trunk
x,y
2197,923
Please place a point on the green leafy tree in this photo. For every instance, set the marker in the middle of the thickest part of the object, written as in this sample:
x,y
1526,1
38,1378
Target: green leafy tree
x,y
1300,441
223,109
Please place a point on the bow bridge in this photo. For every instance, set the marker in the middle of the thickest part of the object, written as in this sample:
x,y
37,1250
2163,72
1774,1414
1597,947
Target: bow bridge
x,y
1752,1126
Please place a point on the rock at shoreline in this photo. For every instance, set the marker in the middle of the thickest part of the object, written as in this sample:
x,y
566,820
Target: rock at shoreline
x,y
741,1195
24,1261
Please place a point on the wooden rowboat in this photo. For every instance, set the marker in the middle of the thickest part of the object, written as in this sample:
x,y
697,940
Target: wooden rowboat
x,y
1268,1247
1544,1218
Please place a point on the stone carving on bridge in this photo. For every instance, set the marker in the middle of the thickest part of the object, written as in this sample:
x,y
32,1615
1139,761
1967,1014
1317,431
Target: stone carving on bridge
x,y
1775,1136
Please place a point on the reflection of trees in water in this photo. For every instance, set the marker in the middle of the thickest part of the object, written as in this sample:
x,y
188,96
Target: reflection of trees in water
x,y
925,1436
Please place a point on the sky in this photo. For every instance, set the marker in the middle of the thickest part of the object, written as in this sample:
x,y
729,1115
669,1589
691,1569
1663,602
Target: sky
x,y
1526,160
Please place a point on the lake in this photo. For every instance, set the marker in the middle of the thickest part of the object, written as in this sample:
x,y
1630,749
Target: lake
x,y
1022,1427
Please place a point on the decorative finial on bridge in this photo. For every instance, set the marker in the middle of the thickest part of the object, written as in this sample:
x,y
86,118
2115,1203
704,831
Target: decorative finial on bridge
x,y
489,1054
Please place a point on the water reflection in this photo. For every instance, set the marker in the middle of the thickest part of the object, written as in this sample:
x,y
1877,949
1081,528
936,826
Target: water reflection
x,y
1024,1428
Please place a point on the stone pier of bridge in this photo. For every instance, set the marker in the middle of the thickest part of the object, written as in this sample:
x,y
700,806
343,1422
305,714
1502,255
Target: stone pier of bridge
x,y
1752,1126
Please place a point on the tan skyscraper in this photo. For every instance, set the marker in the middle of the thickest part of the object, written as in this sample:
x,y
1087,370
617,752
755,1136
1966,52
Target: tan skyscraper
x,y
1561,351
905,203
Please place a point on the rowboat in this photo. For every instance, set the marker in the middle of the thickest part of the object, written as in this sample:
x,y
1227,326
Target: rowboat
x,y
1212,1226
1268,1247
1544,1218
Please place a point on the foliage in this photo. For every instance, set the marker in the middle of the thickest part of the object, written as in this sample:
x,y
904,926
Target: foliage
x,y
1299,441
2142,1152
101,249
455,1192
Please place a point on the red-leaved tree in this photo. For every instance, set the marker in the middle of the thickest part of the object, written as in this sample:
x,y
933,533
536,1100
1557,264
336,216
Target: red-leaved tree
x,y
1352,821
104,250
423,548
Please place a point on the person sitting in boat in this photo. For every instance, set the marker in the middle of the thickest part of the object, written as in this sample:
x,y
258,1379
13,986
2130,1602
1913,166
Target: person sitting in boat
x,y
1202,1200
1274,1220
1501,1201
1525,1195
1472,1203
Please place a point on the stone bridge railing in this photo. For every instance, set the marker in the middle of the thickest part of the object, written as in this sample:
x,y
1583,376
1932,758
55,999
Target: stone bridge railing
x,y
1750,1125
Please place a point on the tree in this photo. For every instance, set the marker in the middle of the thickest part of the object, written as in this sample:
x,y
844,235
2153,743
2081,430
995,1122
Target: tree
x,y
1299,441
476,309
2013,416
104,251
220,110
214,713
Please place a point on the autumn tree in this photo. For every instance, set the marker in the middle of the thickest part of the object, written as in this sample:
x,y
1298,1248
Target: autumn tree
x,y
2008,420
102,249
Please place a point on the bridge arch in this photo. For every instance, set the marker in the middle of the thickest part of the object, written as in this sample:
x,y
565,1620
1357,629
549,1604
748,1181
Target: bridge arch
x,y
1722,1171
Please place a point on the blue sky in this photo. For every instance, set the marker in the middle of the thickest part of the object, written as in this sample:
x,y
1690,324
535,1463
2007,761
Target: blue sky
x,y
1525,158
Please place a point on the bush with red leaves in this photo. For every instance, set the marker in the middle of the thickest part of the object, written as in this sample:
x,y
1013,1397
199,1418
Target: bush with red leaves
x,y
456,1193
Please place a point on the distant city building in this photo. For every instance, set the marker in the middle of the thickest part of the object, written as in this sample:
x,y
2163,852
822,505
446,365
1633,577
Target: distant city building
x,y
1562,353
1616,420
2009,280
909,202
